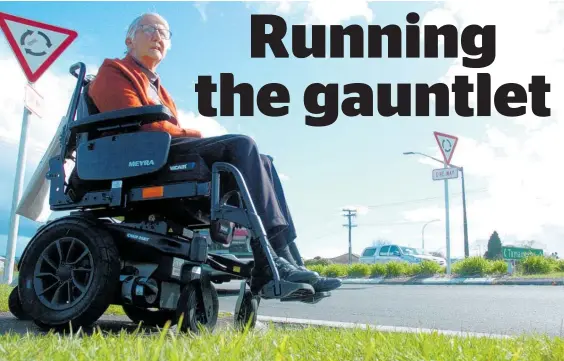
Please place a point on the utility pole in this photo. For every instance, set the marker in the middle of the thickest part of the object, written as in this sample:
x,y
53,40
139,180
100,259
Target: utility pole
x,y
350,213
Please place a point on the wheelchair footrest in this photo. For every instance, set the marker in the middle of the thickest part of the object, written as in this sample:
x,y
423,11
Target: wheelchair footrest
x,y
286,289
311,299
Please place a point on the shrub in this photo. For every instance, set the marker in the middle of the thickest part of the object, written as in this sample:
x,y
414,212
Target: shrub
x,y
412,269
359,270
498,267
395,269
378,270
316,268
535,265
471,266
429,268
336,270
317,261
560,265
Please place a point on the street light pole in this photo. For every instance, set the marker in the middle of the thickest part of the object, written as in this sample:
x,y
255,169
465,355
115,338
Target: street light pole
x,y
423,233
464,216
465,222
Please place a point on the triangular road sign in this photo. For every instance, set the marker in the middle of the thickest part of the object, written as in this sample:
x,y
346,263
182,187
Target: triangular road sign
x,y
446,143
36,45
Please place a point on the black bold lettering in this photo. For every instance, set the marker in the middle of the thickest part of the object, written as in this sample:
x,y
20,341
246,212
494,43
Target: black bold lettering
x,y
356,41
227,93
502,99
259,37
365,100
403,107
330,108
486,51
205,87
450,40
412,36
538,87
375,34
423,98
484,95
299,41
461,89
265,99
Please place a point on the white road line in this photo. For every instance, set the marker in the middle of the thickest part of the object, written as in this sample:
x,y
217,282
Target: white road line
x,y
334,324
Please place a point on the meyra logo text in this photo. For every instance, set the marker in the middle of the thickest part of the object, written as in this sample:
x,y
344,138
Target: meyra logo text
x,y
137,237
141,163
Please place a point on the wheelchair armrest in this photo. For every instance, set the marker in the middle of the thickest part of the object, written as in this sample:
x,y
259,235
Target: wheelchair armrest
x,y
122,118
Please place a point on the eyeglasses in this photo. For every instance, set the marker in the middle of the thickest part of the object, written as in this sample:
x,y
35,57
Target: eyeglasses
x,y
151,29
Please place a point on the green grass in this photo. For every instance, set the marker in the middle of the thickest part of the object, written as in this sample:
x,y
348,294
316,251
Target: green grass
x,y
548,275
309,343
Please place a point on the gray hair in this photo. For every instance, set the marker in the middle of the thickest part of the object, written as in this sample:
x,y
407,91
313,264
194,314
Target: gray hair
x,y
135,24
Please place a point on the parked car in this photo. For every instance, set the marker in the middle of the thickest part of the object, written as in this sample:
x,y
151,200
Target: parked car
x,y
392,252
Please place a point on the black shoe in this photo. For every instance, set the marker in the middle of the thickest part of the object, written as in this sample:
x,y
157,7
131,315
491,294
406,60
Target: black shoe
x,y
326,284
262,274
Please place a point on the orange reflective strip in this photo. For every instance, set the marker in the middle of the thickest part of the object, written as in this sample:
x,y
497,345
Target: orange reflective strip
x,y
153,192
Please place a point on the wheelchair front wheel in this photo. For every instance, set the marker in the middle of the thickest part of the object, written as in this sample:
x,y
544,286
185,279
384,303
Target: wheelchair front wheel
x,y
248,312
191,309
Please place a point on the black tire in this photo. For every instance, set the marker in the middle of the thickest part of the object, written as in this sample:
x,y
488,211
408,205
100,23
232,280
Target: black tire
x,y
191,308
148,317
80,256
15,306
248,312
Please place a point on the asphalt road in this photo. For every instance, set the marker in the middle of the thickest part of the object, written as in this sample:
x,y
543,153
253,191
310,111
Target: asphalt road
x,y
508,310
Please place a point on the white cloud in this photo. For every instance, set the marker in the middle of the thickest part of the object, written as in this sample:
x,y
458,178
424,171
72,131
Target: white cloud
x,y
209,127
521,167
326,12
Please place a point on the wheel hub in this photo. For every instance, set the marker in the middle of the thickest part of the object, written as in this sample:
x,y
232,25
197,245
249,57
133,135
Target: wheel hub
x,y
64,272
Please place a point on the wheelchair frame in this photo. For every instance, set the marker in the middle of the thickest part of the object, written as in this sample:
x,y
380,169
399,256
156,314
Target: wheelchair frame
x,y
184,244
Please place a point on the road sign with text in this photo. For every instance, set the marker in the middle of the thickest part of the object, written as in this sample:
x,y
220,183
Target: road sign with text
x,y
446,143
445,173
36,45
515,253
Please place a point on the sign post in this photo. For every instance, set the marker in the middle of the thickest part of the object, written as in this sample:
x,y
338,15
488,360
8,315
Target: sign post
x,y
36,46
447,143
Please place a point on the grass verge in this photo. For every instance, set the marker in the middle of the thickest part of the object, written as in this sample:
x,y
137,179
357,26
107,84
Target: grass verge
x,y
310,343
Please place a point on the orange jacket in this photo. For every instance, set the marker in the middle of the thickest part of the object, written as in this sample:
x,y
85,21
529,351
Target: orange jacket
x,y
121,83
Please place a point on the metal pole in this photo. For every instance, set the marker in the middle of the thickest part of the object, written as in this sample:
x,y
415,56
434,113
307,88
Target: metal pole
x,y
447,223
17,194
423,233
465,221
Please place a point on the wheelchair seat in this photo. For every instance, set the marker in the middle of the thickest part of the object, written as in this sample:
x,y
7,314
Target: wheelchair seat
x,y
120,152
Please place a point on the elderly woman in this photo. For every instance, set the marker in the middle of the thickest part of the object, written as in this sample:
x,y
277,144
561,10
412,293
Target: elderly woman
x,y
133,82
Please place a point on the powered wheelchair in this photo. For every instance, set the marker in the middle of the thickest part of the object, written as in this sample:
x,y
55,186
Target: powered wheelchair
x,y
133,236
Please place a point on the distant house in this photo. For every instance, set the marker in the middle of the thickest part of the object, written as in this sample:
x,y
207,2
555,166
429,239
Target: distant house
x,y
344,259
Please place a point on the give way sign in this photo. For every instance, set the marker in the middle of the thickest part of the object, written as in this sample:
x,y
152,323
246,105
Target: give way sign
x,y
36,45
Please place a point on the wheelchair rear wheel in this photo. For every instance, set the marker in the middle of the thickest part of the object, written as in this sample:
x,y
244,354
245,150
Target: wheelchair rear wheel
x,y
148,317
68,274
192,310
15,306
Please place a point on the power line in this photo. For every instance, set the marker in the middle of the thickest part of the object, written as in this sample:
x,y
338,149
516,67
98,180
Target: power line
x,y
422,199
350,214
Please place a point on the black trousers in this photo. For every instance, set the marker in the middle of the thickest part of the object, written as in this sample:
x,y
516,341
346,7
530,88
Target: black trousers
x,y
260,176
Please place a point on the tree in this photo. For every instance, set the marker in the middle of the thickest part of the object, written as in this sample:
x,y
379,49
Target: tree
x,y
494,247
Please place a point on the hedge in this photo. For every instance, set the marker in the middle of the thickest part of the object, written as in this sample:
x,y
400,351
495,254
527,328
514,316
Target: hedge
x,y
468,267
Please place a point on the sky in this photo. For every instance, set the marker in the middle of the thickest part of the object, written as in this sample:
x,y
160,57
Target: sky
x,y
511,164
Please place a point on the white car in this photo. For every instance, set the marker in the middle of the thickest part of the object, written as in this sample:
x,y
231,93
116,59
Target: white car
x,y
392,252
